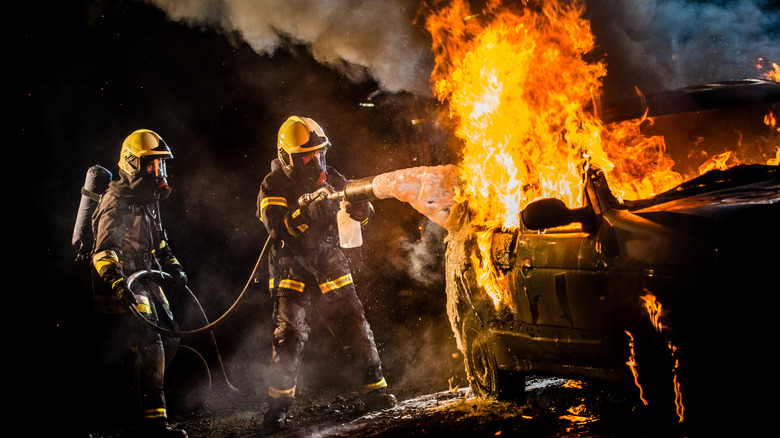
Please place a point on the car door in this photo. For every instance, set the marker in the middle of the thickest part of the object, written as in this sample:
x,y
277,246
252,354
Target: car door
x,y
561,275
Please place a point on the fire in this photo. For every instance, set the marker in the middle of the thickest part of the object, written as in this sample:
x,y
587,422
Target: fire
x,y
772,74
632,365
655,312
520,88
488,276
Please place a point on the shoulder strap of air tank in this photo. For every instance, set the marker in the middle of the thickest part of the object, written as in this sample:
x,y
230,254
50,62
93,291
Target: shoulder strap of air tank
x,y
91,195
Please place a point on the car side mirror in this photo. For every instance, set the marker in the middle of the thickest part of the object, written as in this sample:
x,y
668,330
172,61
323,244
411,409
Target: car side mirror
x,y
552,212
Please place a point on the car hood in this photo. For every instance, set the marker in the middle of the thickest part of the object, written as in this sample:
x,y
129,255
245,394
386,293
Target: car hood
x,y
742,193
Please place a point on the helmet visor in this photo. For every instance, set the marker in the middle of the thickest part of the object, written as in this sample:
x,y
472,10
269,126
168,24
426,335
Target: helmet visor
x,y
157,168
311,164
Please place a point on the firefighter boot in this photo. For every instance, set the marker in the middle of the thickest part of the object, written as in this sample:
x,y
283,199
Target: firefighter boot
x,y
276,414
378,399
160,428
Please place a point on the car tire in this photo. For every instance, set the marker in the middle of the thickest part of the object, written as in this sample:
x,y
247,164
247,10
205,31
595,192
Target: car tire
x,y
485,377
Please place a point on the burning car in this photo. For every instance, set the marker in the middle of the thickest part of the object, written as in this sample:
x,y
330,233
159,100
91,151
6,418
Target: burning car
x,y
660,292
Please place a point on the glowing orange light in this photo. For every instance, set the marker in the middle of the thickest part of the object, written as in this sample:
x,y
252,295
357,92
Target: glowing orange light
x,y
654,309
520,91
632,365
655,312
487,275
773,74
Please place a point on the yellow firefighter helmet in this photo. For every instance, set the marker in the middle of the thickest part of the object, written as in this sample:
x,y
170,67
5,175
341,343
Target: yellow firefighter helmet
x,y
299,135
142,143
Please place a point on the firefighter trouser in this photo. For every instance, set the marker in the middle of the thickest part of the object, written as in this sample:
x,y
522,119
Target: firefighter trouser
x,y
336,301
139,355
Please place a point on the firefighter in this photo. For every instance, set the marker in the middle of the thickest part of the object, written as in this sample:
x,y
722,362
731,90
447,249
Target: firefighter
x,y
129,238
307,269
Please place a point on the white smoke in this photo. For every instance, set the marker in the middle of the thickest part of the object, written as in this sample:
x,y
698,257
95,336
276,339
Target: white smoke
x,y
657,45
376,38
424,257
649,44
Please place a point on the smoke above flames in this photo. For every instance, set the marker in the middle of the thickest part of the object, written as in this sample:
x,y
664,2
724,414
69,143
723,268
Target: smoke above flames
x,y
656,45
361,39
651,45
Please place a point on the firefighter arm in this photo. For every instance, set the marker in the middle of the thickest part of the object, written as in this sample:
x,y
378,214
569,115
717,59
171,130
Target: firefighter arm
x,y
279,220
109,232
107,265
170,264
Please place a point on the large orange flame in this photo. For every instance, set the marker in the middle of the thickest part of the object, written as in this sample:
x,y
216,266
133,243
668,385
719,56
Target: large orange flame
x,y
517,84
520,90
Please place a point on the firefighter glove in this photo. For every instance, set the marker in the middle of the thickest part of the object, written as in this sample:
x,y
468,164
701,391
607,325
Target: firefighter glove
x,y
123,293
360,212
178,277
319,209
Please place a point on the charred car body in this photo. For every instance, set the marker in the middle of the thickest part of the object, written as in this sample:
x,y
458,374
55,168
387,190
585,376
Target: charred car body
x,y
666,294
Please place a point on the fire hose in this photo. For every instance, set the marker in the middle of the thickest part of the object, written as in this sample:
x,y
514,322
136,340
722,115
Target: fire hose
x,y
209,325
180,333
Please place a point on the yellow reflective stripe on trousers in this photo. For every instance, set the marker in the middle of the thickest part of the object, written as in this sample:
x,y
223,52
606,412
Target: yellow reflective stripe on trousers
x,y
287,284
372,386
155,413
335,284
276,393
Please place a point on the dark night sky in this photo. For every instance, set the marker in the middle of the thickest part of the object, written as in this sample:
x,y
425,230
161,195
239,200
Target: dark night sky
x,y
94,71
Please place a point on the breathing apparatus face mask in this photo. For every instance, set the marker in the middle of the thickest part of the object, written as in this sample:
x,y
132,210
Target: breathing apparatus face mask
x,y
311,166
157,169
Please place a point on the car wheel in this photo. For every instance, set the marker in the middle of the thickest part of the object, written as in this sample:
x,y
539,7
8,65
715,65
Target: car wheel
x,y
486,379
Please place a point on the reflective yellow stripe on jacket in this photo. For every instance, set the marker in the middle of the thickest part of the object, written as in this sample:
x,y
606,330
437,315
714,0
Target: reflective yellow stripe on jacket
x,y
103,259
273,200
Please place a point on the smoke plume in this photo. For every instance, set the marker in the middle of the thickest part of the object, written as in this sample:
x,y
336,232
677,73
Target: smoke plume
x,y
657,45
361,39
650,45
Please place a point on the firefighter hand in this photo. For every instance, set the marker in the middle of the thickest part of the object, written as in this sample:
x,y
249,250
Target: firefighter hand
x,y
319,209
123,294
360,211
178,277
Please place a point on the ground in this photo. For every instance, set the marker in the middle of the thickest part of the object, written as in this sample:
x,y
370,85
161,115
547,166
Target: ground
x,y
554,408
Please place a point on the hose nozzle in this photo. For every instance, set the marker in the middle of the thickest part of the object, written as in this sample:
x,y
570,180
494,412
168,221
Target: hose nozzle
x,y
355,191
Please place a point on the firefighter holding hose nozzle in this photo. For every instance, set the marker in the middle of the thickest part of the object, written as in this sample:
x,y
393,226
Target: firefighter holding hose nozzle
x,y
308,270
128,237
